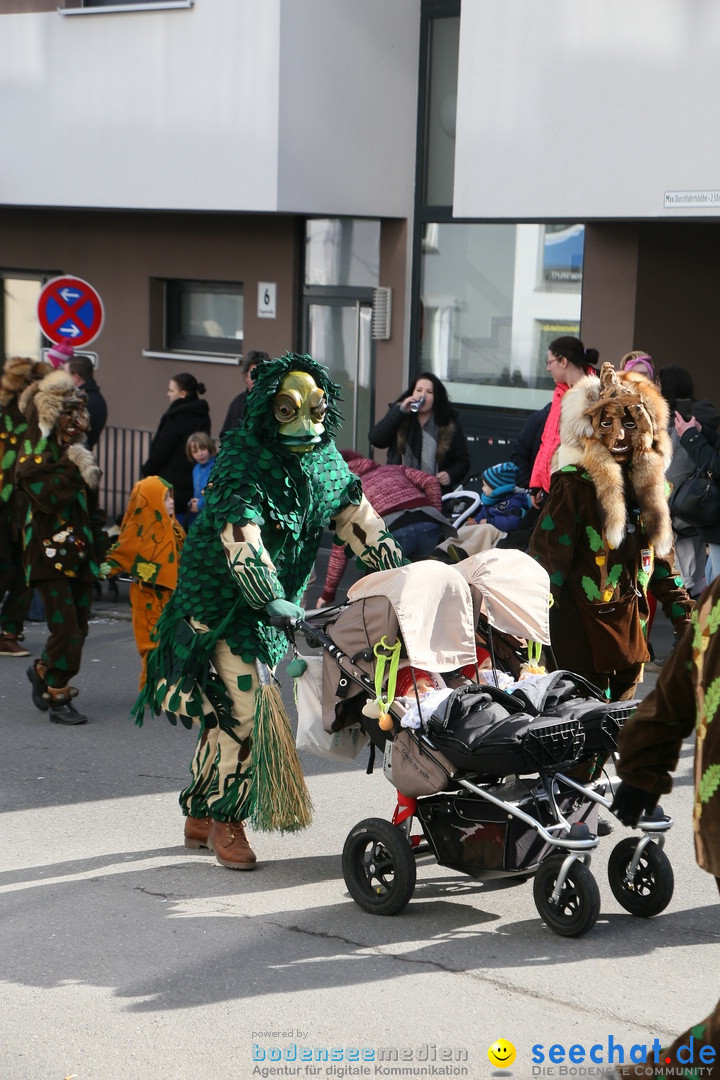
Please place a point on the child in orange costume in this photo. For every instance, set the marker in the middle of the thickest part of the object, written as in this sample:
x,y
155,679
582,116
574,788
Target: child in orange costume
x,y
148,548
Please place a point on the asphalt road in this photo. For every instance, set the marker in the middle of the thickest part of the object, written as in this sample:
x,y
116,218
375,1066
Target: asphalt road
x,y
124,955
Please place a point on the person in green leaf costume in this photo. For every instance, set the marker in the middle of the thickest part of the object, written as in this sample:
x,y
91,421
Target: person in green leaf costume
x,y
15,593
604,534
278,481
686,698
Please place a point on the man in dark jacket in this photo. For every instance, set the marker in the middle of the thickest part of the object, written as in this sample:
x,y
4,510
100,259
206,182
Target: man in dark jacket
x,y
236,408
528,444
82,373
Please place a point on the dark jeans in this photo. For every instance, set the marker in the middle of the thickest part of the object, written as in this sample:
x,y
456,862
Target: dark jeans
x,y
418,539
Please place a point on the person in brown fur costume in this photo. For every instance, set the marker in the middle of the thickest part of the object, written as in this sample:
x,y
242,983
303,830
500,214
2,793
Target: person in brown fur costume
x,y
604,534
15,594
63,535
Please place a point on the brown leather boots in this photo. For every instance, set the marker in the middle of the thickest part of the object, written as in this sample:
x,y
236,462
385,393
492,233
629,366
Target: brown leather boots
x,y
226,839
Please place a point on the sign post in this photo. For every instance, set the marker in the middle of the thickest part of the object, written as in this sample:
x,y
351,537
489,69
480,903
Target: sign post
x,y
69,309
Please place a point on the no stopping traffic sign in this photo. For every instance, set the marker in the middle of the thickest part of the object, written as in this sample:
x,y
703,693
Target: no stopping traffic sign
x,y
69,309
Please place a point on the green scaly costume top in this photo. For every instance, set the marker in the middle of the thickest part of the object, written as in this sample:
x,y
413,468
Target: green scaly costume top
x,y
291,497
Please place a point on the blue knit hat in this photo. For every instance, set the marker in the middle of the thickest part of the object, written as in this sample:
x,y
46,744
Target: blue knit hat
x,y
501,476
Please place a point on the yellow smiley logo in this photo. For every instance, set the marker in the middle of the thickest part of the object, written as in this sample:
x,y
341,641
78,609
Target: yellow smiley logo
x,y
501,1053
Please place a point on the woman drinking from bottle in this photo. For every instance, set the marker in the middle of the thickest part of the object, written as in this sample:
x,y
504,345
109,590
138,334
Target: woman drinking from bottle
x,y
421,430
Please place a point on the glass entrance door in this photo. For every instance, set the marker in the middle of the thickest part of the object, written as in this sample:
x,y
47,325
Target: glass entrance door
x,y
338,334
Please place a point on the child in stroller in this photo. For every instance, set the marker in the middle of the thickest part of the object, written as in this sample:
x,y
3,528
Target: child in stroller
x,y
486,773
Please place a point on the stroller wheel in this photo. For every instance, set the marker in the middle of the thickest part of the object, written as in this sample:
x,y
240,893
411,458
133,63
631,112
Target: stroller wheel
x,y
651,889
379,867
578,906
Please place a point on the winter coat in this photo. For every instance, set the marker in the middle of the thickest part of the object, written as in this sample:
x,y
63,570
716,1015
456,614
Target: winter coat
x,y
528,443
168,449
683,701
505,515
235,414
388,489
549,442
398,430
682,464
702,449
200,477
587,575
97,408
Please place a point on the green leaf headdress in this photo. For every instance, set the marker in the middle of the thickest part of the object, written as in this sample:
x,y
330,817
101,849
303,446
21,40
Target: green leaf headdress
x,y
267,377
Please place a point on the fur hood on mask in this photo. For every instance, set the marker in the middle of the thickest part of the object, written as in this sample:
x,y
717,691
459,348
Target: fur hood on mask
x,y
43,401
18,373
580,444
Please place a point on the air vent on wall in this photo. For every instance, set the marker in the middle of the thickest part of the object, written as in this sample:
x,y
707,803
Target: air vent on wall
x,y
382,313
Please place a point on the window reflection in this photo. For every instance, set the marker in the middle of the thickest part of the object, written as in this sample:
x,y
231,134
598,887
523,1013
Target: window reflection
x,y
492,297
342,251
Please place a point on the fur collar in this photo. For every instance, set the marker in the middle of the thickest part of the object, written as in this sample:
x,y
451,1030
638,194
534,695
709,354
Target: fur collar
x,y
580,445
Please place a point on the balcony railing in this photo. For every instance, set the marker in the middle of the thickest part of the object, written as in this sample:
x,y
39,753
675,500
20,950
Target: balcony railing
x,y
120,454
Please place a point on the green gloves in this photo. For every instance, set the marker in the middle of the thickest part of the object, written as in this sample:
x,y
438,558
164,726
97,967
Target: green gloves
x,y
283,609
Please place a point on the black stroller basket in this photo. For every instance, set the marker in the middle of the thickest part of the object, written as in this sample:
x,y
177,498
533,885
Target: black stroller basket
x,y
553,745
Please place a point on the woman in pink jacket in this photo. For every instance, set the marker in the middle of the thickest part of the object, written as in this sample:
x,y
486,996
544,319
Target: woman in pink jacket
x,y
567,361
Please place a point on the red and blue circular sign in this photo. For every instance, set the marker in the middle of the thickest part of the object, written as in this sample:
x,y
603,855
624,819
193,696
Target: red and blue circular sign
x,y
69,309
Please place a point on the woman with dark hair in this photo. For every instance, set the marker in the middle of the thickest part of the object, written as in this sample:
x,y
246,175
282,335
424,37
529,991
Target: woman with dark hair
x,y
186,414
567,361
421,430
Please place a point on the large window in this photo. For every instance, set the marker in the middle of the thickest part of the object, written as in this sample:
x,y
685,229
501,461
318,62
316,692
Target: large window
x,y
491,298
204,317
342,251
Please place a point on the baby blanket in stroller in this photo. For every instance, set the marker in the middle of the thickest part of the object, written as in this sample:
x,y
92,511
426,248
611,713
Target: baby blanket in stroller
x,y
551,723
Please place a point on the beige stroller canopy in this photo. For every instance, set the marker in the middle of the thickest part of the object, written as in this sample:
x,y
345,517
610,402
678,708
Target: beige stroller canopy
x,y
433,605
511,589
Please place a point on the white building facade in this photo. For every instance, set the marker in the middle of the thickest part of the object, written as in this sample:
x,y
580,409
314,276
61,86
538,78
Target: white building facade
x,y
391,185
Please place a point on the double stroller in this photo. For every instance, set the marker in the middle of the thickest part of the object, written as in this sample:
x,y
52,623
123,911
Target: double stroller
x,y
502,767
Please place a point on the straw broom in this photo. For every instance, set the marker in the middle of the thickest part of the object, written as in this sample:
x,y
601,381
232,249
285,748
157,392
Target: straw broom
x,y
278,793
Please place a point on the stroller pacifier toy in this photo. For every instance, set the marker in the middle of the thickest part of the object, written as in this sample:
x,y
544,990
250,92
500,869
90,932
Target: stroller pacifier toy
x,y
379,708
532,665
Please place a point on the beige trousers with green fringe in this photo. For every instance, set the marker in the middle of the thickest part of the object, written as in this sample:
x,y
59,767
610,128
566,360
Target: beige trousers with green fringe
x,y
221,767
